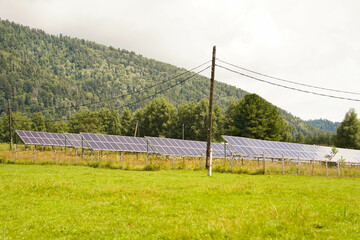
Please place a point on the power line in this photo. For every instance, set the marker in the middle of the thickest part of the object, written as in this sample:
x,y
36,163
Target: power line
x,y
149,87
132,103
287,87
287,81
127,94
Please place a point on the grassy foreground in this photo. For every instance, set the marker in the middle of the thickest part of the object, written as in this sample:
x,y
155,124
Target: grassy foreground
x,y
66,202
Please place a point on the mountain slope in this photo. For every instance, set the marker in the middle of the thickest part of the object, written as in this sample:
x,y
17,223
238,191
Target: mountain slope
x,y
57,75
324,124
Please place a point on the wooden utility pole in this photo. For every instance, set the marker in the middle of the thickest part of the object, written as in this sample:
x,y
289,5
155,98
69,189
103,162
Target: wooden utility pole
x,y
136,128
10,132
208,149
183,131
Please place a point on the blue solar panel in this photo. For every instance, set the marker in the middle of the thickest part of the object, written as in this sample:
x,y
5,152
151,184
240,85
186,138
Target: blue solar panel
x,y
116,143
255,148
42,138
178,147
76,140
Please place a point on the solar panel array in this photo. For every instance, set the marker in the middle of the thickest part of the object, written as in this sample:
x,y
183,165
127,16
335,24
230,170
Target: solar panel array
x,y
177,147
116,143
43,138
253,147
246,147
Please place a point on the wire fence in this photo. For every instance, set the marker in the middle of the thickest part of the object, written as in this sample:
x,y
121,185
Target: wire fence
x,y
46,155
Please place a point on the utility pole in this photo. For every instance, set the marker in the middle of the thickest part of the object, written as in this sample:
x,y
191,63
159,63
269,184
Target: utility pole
x,y
183,131
136,128
10,135
208,149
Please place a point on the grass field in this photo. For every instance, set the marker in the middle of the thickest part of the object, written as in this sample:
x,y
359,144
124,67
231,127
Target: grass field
x,y
67,202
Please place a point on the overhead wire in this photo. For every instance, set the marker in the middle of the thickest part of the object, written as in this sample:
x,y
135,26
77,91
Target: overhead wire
x,y
132,103
288,81
124,95
287,87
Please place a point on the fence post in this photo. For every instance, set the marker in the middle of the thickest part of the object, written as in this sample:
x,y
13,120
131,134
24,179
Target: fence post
x,y
65,143
349,169
173,162
202,161
326,167
147,154
54,156
34,156
298,165
264,165
231,164
15,155
98,159
338,165
313,167
75,156
282,164
121,160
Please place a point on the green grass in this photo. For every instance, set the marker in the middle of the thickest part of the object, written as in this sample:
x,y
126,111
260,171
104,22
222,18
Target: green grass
x,y
67,202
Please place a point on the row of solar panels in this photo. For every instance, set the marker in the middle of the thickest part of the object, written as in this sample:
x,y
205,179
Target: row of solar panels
x,y
124,143
254,147
239,146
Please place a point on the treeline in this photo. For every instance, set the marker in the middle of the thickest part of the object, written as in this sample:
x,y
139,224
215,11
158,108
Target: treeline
x,y
251,117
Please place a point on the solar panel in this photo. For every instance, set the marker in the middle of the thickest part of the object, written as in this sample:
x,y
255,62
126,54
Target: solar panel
x,y
179,147
76,141
347,155
254,148
116,143
42,138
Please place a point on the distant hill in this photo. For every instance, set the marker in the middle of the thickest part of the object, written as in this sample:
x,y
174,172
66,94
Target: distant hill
x,y
324,124
57,75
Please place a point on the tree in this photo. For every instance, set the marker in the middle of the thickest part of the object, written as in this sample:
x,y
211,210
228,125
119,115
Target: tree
x,y
126,123
348,133
85,121
300,138
38,122
254,117
186,118
156,118
59,127
195,120
18,122
109,120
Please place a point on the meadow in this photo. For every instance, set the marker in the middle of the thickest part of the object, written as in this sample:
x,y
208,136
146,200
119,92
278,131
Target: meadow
x,y
78,202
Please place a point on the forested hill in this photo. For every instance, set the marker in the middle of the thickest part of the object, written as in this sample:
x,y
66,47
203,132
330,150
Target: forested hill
x,y
58,75
324,124
45,71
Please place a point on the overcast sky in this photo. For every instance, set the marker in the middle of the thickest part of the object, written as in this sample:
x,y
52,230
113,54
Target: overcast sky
x,y
313,42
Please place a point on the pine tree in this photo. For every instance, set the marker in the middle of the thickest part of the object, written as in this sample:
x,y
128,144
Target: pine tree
x,y
254,117
348,133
